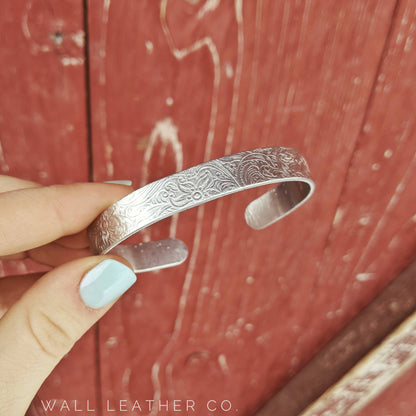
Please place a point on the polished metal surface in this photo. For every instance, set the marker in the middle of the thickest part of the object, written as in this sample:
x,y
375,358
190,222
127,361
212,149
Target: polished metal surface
x,y
153,255
198,185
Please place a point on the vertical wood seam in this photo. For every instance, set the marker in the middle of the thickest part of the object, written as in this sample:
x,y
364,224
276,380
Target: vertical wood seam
x,y
88,108
88,117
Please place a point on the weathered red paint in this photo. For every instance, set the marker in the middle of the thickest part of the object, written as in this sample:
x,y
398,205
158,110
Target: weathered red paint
x,y
249,308
171,87
398,399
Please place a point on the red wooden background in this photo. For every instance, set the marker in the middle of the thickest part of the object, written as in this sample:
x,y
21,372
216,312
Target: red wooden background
x,y
170,84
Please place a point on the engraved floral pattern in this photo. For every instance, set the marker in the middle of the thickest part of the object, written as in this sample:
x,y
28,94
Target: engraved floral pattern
x,y
191,188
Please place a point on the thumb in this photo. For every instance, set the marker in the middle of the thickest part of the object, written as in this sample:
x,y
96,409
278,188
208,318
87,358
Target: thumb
x,y
39,329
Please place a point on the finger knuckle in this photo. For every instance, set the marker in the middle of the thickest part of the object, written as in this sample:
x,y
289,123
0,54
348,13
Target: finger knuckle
x,y
4,242
57,207
51,332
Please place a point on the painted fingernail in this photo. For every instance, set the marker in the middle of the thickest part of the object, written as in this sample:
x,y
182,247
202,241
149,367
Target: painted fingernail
x,y
105,283
127,183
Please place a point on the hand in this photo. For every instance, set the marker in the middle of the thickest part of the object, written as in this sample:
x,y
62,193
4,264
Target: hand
x,y
47,315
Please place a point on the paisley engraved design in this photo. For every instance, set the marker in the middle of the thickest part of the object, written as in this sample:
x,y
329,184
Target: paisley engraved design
x,y
258,167
192,187
109,227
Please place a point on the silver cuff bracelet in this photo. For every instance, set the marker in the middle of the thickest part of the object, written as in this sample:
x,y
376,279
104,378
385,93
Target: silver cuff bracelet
x,y
195,186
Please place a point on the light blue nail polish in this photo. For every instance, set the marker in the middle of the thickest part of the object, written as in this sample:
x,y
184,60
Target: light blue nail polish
x,y
127,183
105,283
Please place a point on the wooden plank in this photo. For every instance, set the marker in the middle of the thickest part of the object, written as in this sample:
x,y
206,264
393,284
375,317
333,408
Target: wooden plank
x,y
43,135
197,83
373,232
378,370
395,303
42,103
398,399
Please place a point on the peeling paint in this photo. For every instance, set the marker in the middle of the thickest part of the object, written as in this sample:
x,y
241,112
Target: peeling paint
x,y
78,38
71,61
364,277
149,46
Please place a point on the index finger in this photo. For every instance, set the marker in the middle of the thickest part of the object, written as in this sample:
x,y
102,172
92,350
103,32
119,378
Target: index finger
x,y
33,217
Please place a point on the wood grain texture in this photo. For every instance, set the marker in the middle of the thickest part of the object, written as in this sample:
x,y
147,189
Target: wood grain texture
x,y
43,135
177,83
199,82
398,399
43,93
374,373
368,329
373,233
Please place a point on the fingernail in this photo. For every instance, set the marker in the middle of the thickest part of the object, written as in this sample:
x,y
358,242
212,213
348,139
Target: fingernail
x,y
127,183
105,283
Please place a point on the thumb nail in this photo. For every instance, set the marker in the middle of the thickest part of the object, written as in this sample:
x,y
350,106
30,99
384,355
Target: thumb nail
x,y
105,283
125,182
